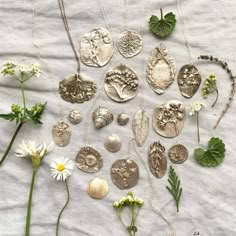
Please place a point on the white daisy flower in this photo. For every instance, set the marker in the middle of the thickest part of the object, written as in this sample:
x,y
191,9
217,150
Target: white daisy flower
x,y
61,168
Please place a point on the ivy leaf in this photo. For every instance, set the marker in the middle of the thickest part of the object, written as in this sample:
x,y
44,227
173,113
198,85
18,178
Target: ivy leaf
x,y
164,26
174,189
213,156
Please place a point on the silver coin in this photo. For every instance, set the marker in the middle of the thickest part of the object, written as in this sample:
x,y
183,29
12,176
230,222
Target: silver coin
x,y
178,153
61,133
121,83
189,80
77,88
96,47
160,69
125,173
168,119
89,160
157,160
129,43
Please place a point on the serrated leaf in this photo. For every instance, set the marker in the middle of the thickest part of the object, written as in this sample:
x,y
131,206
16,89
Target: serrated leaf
x,y
162,27
213,156
140,127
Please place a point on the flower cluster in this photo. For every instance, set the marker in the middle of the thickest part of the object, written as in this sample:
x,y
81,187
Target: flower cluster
x,y
8,68
209,85
128,200
195,107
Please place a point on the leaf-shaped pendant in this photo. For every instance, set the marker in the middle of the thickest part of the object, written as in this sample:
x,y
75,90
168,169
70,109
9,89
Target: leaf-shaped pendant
x,y
77,88
140,127
160,69
129,43
157,160
189,80
96,47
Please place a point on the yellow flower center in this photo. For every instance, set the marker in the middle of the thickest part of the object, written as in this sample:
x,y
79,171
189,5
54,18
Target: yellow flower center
x,y
60,167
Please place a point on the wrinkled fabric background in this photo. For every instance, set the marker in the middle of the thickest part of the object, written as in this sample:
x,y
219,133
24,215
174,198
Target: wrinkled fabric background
x,y
34,29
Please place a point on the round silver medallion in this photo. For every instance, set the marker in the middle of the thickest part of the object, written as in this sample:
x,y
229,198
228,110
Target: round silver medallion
x,y
75,116
112,143
89,160
129,43
122,119
125,173
121,83
178,153
96,47
61,133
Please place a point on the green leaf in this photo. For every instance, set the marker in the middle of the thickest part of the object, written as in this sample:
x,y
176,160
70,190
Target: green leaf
x,y
15,114
174,187
213,156
36,112
162,27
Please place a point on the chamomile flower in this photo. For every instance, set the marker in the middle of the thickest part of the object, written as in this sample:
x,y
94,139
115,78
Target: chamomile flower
x,y
61,168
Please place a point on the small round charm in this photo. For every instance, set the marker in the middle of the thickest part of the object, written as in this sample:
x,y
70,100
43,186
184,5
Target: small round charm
x,y
102,117
129,43
121,83
75,116
178,154
61,133
89,160
112,143
125,173
98,188
122,119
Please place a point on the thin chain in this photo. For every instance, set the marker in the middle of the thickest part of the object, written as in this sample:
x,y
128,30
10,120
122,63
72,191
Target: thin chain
x,y
180,11
64,18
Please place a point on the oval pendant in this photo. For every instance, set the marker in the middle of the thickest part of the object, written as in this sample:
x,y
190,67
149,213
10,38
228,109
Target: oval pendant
x,y
61,133
89,160
160,69
168,119
124,173
129,43
157,160
77,88
96,47
121,83
189,80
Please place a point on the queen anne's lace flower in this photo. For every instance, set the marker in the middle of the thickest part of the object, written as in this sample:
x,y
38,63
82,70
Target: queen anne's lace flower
x,y
195,107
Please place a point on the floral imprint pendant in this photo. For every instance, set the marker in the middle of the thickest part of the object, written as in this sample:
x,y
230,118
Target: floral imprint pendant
x,y
129,43
168,119
124,173
121,83
61,133
189,80
96,47
89,160
178,153
157,160
160,69
75,116
77,88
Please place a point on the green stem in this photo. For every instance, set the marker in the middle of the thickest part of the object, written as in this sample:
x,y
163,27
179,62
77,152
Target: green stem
x,y
27,227
23,96
217,95
11,143
198,132
161,14
67,201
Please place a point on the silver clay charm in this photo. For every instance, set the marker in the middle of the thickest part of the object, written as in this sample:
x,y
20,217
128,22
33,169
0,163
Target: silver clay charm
x,y
61,133
102,117
122,119
112,143
178,153
75,116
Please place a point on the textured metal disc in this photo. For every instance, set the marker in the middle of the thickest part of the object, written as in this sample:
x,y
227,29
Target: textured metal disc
x,y
168,119
121,83
77,88
124,173
157,160
61,133
89,160
178,153
129,43
189,80
96,47
75,116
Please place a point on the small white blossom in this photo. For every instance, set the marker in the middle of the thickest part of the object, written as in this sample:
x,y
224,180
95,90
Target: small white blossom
x,y
116,204
195,107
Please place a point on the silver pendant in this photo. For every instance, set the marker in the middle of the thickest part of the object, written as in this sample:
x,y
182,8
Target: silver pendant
x,y
96,47
121,83
129,43
77,88
61,133
98,188
140,126
189,80
168,119
89,160
178,153
160,69
122,119
157,160
112,143
124,173
102,117
75,116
